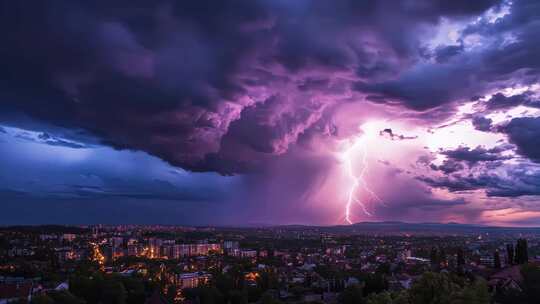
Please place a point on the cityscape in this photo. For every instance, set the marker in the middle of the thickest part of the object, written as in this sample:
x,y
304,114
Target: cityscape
x,y
363,263
270,152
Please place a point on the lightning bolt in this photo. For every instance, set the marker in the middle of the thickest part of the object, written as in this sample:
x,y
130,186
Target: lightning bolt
x,y
357,180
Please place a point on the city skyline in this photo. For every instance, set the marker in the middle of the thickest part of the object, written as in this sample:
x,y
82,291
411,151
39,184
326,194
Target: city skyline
x,y
270,112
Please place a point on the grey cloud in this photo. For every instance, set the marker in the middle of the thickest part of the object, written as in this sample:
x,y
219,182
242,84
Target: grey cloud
x,y
445,53
390,134
472,156
52,141
524,132
470,73
171,78
448,166
482,123
45,138
500,101
518,180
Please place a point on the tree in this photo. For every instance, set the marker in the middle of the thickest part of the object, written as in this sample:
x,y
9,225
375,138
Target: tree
x,y
223,282
86,288
518,254
42,299
269,299
113,292
380,298
170,294
460,258
210,295
442,256
254,293
531,283
352,295
442,288
496,260
267,280
238,297
388,298
134,289
375,283
432,288
383,268
237,274
475,293
434,257
65,297
510,254
522,255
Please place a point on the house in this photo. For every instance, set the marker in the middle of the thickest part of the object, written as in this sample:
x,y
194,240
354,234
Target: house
x,y
192,279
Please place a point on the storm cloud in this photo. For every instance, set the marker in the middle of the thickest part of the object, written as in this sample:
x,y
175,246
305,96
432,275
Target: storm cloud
x,y
200,83
257,106
524,132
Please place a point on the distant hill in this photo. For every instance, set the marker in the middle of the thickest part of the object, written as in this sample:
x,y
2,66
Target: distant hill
x,y
46,229
393,226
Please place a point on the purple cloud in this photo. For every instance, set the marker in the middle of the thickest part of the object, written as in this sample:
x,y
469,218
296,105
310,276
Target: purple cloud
x,y
198,87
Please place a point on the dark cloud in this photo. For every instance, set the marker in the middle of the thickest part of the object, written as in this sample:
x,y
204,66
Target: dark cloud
x,y
97,174
501,102
483,169
473,156
390,134
445,53
524,132
52,141
518,180
24,210
455,184
448,166
157,190
45,138
482,123
12,192
253,87
469,73
414,201
425,159
194,82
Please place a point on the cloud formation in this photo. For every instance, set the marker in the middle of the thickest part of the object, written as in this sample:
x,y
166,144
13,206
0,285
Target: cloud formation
x,y
524,132
218,89
481,123
273,93
473,156
390,134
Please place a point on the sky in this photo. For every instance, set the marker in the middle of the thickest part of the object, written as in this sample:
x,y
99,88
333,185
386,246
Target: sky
x,y
255,112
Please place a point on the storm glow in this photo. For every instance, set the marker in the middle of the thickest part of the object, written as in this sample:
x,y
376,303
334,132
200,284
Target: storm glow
x,y
358,191
271,112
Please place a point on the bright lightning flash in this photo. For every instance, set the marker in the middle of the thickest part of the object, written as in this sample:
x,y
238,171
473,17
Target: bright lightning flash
x,y
357,180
